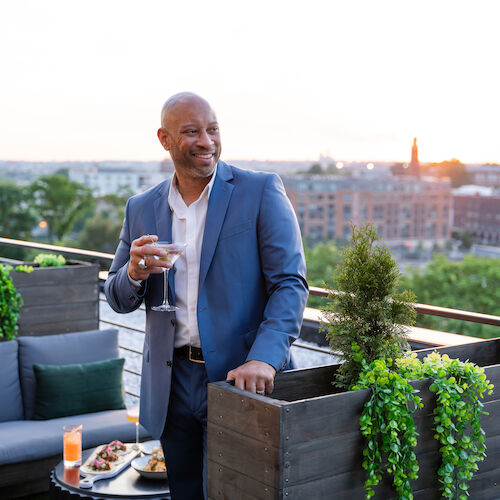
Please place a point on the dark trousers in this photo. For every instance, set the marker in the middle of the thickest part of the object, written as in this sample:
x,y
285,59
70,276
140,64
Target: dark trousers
x,y
184,438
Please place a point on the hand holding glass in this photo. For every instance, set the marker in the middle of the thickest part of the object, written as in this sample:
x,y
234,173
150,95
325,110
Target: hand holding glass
x,y
174,250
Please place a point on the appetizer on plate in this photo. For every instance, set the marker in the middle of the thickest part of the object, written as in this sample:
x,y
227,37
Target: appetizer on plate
x,y
118,447
108,454
157,461
99,465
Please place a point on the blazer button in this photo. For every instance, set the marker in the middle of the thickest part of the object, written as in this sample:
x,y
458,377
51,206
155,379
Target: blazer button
x,y
169,363
173,322
131,298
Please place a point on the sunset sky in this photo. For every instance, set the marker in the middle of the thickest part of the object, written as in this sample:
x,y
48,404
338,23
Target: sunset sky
x,y
85,80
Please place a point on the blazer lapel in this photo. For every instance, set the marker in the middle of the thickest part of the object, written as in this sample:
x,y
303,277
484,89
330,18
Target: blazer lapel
x,y
217,207
163,218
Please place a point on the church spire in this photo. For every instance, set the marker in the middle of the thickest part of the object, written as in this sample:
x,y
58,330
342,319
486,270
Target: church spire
x,y
414,163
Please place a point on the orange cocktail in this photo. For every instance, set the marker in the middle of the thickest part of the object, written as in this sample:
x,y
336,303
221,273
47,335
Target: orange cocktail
x,y
72,445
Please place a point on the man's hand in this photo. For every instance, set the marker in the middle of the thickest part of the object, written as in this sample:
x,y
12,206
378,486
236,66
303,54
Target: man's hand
x,y
254,376
142,249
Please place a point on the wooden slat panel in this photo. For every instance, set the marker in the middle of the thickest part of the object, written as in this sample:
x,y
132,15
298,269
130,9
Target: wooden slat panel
x,y
85,273
223,483
484,353
66,294
58,313
305,383
59,327
249,414
259,460
339,454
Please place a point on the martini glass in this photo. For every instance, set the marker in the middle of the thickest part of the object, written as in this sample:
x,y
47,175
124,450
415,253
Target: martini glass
x,y
174,250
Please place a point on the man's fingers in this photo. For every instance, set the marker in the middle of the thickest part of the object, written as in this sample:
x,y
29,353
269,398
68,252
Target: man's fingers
x,y
269,386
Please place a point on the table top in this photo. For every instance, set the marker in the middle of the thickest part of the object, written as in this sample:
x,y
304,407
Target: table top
x,y
127,484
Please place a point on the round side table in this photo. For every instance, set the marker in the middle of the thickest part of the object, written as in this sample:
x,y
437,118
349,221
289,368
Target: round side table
x,y
126,485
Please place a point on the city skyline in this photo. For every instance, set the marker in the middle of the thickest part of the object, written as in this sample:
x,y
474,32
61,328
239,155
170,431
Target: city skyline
x,y
356,81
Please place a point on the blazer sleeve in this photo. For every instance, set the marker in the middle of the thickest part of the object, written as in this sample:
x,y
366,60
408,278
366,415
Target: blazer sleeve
x,y
284,270
121,295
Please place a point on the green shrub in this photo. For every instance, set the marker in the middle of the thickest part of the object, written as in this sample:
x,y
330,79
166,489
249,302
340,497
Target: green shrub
x,y
49,260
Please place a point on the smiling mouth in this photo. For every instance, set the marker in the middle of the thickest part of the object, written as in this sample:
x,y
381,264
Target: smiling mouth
x,y
205,156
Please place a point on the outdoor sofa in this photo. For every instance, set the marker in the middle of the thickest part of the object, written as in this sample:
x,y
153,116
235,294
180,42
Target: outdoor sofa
x,y
30,447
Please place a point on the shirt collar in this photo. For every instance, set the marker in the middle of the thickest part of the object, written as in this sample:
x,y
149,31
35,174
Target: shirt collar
x,y
175,199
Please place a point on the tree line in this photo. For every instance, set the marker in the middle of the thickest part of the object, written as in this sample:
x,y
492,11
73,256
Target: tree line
x,y
55,209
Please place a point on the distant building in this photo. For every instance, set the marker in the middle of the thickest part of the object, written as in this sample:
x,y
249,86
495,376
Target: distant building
x,y
105,180
485,175
403,209
476,209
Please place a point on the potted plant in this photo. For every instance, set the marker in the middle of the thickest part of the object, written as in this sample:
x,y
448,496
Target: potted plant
x,y
59,296
306,439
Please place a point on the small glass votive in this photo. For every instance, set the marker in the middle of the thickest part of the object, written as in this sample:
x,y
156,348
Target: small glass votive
x,y
72,446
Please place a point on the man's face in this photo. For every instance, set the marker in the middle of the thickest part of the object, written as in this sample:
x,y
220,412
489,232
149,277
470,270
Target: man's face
x,y
190,133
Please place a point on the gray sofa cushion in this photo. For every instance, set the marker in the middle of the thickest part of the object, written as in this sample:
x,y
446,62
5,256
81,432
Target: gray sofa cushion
x,y
11,403
27,440
62,349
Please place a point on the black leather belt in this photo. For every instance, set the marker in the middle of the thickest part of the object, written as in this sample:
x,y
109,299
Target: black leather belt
x,y
194,354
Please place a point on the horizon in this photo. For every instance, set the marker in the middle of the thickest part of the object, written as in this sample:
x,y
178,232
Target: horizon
x,y
355,81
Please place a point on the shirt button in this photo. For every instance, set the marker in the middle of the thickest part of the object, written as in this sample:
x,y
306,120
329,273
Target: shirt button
x,y
169,363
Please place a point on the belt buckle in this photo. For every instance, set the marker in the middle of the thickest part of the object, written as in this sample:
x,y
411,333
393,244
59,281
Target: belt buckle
x,y
194,360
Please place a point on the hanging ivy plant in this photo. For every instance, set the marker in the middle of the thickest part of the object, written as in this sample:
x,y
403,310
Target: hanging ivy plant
x,y
389,429
388,426
459,386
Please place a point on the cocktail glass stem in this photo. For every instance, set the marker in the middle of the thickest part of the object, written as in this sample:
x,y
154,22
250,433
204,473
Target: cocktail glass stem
x,y
137,434
165,288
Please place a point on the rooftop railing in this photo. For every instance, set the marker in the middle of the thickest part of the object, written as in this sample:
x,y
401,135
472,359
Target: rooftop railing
x,y
419,336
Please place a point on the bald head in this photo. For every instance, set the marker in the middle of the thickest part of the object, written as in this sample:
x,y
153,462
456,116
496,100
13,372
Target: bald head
x,y
179,99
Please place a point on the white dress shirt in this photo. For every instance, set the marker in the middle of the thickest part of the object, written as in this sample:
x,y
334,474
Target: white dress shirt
x,y
188,226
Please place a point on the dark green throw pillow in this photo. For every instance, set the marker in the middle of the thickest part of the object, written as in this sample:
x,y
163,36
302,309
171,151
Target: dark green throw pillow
x,y
64,390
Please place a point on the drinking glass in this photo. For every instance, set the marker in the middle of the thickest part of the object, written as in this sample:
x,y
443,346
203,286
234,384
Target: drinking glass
x,y
133,416
72,445
174,250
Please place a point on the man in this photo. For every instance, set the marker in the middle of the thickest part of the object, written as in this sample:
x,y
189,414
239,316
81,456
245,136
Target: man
x,y
240,285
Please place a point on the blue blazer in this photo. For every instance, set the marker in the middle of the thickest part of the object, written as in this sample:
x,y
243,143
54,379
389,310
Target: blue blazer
x,y
252,285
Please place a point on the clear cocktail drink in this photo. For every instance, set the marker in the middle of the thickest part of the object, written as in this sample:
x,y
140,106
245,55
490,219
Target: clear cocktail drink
x,y
174,250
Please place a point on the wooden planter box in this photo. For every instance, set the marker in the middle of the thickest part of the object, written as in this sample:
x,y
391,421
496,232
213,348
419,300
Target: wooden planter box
x,y
304,441
58,299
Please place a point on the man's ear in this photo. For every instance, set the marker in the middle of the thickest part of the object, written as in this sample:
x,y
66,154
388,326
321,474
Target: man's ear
x,y
163,138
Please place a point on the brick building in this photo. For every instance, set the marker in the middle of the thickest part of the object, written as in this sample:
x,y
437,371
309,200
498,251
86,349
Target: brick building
x,y
403,208
477,210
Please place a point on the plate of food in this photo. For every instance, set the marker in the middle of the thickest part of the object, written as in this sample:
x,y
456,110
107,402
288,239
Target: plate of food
x,y
151,466
148,447
107,458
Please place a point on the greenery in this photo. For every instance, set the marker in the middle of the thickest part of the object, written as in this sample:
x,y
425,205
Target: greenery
x,y
59,202
453,169
23,268
389,428
16,219
322,260
10,304
369,313
49,260
472,284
